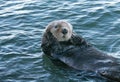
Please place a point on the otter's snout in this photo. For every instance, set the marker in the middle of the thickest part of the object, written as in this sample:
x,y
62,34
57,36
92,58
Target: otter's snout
x,y
64,31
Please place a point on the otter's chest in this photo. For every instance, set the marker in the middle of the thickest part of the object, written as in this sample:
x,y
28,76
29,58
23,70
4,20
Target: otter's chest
x,y
65,46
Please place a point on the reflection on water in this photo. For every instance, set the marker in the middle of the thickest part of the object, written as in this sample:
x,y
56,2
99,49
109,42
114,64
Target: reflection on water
x,y
22,23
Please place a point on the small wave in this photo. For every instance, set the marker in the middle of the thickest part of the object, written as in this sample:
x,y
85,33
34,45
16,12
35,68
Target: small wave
x,y
22,23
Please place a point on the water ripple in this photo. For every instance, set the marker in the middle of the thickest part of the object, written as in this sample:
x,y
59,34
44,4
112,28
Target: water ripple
x,y
22,23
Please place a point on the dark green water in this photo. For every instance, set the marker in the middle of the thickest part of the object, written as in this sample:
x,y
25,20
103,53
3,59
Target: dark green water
x,y
22,23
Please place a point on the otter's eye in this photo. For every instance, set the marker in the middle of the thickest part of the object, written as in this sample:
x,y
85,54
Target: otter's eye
x,y
56,26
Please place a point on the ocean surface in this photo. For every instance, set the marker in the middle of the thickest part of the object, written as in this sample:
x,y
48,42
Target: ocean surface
x,y
22,23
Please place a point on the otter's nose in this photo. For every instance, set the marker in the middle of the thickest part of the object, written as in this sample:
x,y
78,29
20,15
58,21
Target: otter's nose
x,y
64,31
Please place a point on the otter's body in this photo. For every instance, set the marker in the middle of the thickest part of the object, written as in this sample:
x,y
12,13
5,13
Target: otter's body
x,y
77,53
85,57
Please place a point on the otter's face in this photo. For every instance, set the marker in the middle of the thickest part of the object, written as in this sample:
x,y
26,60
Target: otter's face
x,y
61,30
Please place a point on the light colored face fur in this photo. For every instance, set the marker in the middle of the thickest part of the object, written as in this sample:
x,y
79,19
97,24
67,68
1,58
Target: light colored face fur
x,y
60,29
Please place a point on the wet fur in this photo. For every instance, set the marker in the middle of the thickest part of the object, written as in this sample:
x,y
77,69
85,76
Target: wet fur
x,y
79,54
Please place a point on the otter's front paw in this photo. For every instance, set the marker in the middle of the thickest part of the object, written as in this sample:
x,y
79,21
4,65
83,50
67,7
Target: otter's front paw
x,y
77,40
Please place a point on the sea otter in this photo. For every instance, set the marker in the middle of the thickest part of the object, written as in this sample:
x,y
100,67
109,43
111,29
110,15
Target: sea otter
x,y
61,43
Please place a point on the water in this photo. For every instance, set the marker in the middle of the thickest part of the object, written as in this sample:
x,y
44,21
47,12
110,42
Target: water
x,y
22,24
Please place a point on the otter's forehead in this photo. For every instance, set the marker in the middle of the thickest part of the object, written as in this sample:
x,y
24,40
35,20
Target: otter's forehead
x,y
61,23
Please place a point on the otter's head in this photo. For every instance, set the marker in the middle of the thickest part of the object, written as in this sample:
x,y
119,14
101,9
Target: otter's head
x,y
60,29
